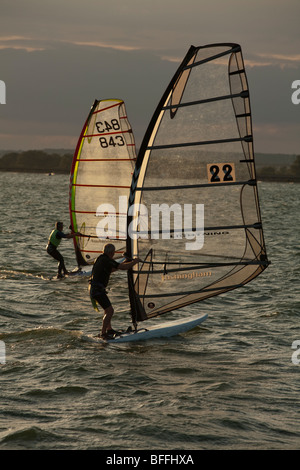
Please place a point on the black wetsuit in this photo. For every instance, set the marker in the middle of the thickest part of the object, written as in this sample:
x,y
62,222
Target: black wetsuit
x,y
100,276
53,251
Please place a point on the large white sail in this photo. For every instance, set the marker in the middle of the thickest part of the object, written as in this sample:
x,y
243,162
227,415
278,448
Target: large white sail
x,y
100,180
198,149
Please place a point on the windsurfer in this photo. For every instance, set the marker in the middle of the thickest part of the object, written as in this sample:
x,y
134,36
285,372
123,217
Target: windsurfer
x,y
102,269
55,238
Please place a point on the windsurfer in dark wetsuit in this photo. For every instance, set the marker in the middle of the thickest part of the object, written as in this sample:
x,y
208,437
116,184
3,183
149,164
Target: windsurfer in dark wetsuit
x,y
55,238
102,269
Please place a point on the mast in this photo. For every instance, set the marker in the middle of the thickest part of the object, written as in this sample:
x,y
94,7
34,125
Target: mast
x,y
137,311
79,258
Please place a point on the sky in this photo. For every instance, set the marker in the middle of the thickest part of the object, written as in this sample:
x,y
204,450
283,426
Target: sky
x,y
58,56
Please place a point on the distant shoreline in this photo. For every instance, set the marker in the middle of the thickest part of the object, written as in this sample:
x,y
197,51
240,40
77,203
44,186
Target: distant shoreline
x,y
35,171
269,168
277,180
263,178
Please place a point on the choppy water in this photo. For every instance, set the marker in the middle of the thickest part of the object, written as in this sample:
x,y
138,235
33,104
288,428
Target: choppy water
x,y
229,384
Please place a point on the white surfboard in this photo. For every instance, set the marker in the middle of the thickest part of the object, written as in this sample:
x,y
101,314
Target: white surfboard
x,y
82,271
161,330
85,271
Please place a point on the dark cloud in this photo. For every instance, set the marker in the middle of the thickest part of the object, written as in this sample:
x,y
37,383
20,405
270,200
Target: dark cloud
x,y
168,25
50,91
52,78
271,92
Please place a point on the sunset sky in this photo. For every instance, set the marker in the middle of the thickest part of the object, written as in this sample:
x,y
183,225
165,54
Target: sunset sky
x,y
57,56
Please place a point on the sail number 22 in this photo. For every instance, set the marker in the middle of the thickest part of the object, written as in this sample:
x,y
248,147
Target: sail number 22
x,y
221,172
109,128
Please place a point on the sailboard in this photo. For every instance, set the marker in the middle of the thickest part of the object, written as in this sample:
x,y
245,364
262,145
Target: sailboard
x,y
161,330
100,179
197,150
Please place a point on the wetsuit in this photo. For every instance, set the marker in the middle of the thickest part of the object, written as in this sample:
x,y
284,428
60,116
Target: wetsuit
x,y
102,270
53,242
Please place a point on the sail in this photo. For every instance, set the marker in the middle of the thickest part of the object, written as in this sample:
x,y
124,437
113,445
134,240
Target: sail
x,y
100,180
198,229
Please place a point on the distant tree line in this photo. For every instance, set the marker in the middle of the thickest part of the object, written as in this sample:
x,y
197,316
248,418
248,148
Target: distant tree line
x,y
39,161
36,161
281,173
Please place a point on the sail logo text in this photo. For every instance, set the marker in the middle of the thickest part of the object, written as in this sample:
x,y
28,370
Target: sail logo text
x,y
168,277
2,92
296,94
163,221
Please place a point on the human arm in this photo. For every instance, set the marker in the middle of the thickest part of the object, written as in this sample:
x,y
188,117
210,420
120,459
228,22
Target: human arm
x,y
73,234
67,235
125,265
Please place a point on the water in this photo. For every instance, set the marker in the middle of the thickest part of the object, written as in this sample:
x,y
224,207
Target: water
x,y
229,384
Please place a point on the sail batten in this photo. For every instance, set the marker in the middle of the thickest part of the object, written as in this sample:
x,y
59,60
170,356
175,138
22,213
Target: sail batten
x,y
177,231
214,57
208,100
246,138
108,160
194,152
193,186
201,266
184,293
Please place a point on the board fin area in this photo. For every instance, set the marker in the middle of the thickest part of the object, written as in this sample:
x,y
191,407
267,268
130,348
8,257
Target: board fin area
x,y
84,271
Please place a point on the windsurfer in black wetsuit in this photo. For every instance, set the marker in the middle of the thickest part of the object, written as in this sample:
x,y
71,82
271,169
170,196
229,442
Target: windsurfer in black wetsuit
x,y
55,238
102,269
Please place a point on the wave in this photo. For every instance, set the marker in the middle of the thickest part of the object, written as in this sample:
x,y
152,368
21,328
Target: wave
x,y
28,437
15,274
40,333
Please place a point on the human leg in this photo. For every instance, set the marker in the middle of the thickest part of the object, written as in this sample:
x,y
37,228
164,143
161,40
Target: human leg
x,y
58,257
106,323
105,303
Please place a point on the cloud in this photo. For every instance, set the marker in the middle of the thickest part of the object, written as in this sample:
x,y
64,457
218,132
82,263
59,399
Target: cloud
x,y
19,42
57,57
49,92
279,137
261,59
118,47
282,57
167,26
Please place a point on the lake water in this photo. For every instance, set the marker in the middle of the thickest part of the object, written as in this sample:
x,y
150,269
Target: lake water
x,y
232,383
